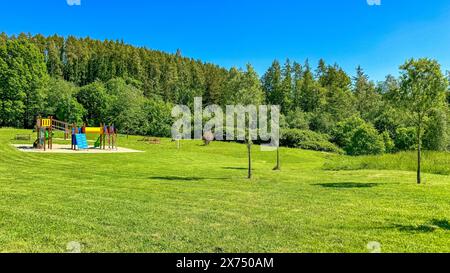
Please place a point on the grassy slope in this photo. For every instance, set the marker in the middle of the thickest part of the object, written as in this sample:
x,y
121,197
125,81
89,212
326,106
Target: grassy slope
x,y
433,162
198,200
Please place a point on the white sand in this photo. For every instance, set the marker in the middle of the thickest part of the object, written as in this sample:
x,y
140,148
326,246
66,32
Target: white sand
x,y
65,149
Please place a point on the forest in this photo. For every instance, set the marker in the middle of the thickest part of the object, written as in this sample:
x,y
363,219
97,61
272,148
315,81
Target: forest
x,y
323,107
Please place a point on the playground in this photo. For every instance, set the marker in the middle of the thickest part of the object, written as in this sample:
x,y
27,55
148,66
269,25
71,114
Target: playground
x,y
67,149
106,138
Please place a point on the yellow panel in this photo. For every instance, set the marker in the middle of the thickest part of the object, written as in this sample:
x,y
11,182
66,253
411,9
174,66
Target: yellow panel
x,y
93,130
46,122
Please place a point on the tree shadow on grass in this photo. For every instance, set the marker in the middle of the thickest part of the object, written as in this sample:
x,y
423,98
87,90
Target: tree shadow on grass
x,y
441,223
432,226
177,178
415,229
184,178
347,185
235,168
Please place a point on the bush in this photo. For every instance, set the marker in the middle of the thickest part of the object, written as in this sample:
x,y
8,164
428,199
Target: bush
x,y
308,140
365,140
343,132
94,98
158,117
390,119
321,121
435,137
298,120
405,139
388,142
61,102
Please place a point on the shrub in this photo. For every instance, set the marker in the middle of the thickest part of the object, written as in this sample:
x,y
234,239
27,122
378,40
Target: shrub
x,y
298,120
309,140
390,119
435,137
388,142
343,132
405,139
158,116
321,121
94,98
365,140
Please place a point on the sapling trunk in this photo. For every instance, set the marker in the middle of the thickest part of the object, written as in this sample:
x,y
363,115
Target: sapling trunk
x,y
419,155
249,150
278,166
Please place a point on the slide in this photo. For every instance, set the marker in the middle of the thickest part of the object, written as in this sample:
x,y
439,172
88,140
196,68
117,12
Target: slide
x,y
97,143
81,141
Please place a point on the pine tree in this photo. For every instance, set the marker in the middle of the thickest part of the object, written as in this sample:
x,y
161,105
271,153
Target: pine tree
x,y
286,88
368,101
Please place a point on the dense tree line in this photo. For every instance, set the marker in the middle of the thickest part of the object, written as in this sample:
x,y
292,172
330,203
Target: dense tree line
x,y
323,108
356,114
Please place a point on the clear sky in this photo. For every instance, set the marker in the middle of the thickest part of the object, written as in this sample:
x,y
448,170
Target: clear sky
x,y
235,32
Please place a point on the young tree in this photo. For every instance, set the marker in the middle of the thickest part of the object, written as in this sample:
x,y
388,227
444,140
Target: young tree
x,y
249,153
423,88
244,88
250,93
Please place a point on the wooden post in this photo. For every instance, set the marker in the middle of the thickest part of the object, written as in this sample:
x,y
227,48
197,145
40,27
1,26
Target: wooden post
x,y
115,137
45,140
38,129
102,129
72,135
50,134
104,136
109,136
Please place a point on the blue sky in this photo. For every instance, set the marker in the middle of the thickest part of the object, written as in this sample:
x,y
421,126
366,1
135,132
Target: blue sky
x,y
236,32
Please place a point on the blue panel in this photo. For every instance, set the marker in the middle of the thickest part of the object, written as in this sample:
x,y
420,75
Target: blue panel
x,y
81,141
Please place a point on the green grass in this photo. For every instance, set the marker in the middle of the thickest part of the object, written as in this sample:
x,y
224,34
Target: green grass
x,y
197,200
433,162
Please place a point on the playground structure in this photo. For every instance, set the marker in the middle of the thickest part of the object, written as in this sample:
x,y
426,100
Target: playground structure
x,y
107,134
45,128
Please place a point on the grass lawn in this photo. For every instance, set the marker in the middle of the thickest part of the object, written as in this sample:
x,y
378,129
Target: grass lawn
x,y
198,199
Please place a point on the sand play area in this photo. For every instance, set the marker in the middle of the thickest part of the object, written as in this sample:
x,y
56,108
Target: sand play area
x,y
65,149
